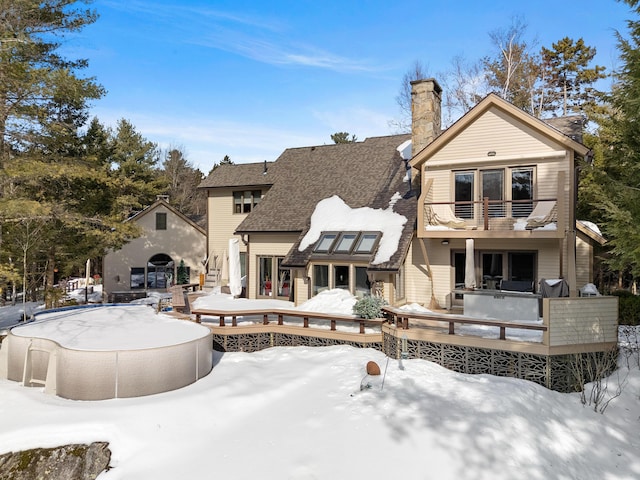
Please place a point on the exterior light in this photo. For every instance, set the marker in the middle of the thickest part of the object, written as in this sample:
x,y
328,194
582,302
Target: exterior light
x,y
445,242
491,153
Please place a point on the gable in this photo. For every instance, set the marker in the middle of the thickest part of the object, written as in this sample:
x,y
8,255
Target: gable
x,y
146,219
496,131
495,125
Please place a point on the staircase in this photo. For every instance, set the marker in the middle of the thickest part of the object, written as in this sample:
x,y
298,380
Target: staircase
x,y
212,279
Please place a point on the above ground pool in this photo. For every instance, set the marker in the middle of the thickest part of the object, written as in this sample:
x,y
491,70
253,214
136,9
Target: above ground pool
x,y
107,351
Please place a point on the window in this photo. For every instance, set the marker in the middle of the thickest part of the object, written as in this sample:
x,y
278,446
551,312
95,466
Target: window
x,y
265,276
161,221
464,193
493,189
341,276
245,201
363,286
160,271
137,278
522,266
320,278
522,191
324,244
345,243
273,281
366,243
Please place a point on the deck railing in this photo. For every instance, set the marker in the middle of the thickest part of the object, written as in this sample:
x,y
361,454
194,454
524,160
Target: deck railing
x,y
401,318
487,214
279,315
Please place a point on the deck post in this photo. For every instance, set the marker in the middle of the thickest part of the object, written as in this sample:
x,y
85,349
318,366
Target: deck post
x,y
361,326
280,319
233,321
265,319
306,322
333,325
222,320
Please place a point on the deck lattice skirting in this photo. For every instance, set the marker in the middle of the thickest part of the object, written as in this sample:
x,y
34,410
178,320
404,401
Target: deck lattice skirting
x,y
555,372
551,371
253,342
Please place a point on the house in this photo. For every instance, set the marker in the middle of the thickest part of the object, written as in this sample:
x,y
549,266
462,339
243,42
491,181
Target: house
x,y
270,208
487,204
151,261
500,186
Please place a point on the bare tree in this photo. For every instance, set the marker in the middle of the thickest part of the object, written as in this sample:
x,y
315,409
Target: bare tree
x,y
465,85
418,71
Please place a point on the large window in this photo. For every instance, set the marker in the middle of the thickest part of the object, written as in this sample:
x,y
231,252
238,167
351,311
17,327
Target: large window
x,y
137,278
341,276
363,286
522,192
160,271
245,201
493,189
273,281
464,194
320,278
503,187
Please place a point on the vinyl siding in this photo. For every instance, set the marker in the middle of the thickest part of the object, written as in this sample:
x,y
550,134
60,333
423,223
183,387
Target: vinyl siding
x,y
265,245
514,140
579,321
221,223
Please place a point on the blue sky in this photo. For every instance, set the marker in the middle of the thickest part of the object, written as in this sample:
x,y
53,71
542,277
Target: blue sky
x,y
250,78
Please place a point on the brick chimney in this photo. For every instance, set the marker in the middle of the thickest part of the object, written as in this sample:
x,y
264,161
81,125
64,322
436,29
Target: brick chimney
x,y
426,108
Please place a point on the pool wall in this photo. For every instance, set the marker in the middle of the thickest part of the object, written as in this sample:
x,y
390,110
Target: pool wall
x,y
98,375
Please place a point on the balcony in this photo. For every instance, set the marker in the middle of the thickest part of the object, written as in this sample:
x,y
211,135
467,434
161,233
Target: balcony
x,y
536,218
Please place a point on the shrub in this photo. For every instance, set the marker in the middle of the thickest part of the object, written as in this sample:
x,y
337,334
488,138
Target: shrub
x,y
369,307
628,307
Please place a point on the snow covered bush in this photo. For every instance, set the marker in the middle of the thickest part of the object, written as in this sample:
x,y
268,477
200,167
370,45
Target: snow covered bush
x,y
369,307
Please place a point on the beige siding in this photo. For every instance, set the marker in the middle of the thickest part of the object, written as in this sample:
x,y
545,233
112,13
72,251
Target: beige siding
x,y
277,245
515,140
444,276
181,241
584,262
221,223
417,283
573,321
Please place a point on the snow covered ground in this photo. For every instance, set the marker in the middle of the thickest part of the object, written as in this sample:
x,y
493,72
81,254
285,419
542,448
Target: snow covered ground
x,y
299,413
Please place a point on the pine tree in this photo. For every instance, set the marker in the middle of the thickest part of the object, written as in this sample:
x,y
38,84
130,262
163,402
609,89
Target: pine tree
x,y
568,76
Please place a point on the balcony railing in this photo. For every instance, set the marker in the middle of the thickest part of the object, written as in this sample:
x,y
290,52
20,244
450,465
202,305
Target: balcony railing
x,y
490,214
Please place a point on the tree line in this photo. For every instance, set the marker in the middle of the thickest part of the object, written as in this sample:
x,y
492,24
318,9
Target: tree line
x,y
68,182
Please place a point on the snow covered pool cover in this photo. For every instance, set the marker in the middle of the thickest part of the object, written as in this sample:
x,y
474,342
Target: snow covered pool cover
x,y
106,352
115,327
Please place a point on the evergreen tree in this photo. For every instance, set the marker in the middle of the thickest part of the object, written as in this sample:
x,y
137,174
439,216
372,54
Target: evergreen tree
x,y
343,137
611,187
182,183
225,161
138,179
568,76
183,276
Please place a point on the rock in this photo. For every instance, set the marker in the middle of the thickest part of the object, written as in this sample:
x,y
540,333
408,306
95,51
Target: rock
x,y
373,368
69,462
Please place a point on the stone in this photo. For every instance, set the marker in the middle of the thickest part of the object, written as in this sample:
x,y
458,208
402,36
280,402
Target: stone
x,y
68,462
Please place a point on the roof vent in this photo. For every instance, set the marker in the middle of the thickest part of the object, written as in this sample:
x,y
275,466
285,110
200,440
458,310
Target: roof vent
x,y
264,172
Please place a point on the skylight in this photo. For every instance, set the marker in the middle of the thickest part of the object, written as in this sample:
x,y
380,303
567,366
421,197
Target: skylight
x,y
366,243
347,243
325,242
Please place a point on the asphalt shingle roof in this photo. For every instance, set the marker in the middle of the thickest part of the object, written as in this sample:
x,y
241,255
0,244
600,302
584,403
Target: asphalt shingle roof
x,y
303,176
